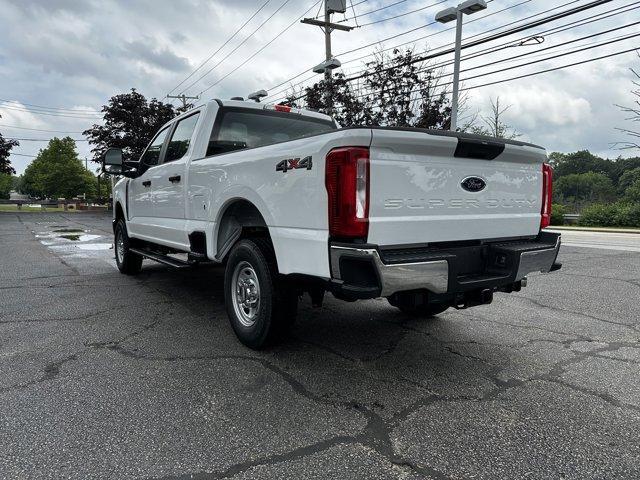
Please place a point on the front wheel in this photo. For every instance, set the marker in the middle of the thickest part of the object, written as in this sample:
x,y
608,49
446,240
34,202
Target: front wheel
x,y
128,262
258,302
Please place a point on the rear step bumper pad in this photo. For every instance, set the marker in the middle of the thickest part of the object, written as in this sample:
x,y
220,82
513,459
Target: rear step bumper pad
x,y
436,272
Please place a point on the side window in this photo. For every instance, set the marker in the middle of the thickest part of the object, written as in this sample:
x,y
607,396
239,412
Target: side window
x,y
251,128
152,155
181,138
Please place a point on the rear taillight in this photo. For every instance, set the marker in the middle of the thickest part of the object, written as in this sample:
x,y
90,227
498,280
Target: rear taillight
x,y
547,191
347,181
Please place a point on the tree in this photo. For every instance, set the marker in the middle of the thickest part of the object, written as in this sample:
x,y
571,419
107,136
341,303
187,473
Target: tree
x,y
395,91
581,161
130,122
58,172
627,179
6,185
5,151
493,125
632,192
578,189
634,115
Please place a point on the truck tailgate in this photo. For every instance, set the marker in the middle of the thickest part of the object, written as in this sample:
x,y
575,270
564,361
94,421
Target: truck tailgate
x,y
429,187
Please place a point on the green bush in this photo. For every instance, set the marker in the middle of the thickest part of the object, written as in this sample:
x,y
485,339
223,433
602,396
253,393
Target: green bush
x,y
628,215
557,214
621,214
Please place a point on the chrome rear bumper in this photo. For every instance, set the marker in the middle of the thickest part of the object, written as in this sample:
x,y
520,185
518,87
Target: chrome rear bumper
x,y
440,271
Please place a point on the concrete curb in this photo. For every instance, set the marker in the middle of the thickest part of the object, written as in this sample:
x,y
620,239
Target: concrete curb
x,y
594,229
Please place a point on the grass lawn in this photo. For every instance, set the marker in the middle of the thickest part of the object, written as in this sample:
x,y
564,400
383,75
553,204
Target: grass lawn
x,y
25,208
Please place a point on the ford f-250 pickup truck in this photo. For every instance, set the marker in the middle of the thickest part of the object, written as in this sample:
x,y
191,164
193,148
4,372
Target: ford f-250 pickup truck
x,y
291,203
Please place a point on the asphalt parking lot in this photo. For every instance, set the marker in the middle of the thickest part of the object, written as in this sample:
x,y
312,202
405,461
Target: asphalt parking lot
x,y
108,376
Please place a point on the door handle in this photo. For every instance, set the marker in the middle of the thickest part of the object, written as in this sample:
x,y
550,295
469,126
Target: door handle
x,y
146,183
174,179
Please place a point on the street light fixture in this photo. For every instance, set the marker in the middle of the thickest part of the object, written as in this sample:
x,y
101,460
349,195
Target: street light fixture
x,y
327,65
448,15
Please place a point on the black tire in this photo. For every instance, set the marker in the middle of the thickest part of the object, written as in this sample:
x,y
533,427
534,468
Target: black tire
x,y
251,273
128,262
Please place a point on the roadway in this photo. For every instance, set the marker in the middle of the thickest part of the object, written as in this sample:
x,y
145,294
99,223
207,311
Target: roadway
x,y
103,375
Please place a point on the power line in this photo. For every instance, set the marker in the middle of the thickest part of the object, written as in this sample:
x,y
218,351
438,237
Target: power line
x,y
261,49
553,56
616,12
401,14
530,63
364,14
219,48
36,129
43,139
236,47
431,35
392,37
562,44
49,113
511,31
22,155
57,109
424,37
489,38
635,49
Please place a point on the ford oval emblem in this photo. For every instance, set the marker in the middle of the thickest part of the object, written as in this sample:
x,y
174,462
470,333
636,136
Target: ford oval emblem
x,y
473,184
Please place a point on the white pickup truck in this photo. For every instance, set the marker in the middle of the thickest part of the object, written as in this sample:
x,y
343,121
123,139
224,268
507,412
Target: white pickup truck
x,y
291,203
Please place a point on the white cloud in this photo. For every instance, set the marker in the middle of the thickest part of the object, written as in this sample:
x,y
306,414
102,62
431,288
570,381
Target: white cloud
x,y
68,53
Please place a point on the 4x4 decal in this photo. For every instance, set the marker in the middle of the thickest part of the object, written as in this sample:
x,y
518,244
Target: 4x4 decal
x,y
294,163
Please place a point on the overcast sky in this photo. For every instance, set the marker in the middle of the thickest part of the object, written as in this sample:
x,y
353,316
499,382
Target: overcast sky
x,y
75,54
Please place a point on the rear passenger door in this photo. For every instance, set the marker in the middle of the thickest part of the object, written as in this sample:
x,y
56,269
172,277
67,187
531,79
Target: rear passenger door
x,y
169,190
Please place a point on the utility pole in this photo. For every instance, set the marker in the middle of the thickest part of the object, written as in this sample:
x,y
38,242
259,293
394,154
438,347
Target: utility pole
x,y
330,6
184,99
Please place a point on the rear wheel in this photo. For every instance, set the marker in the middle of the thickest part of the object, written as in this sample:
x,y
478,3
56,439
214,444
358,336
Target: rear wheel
x,y
128,262
259,304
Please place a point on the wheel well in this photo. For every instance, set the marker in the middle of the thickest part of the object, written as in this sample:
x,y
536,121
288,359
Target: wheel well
x,y
240,219
119,213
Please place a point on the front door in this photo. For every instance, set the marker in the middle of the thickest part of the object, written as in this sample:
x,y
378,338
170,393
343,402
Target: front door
x,y
141,208
170,190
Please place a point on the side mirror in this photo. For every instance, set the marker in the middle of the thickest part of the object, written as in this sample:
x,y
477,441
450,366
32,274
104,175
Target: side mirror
x,y
112,161
113,164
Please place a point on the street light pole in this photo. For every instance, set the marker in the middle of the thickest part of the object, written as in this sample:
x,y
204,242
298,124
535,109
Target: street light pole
x,y
448,15
456,73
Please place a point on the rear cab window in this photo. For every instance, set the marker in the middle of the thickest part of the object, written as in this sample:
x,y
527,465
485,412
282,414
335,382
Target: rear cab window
x,y
240,128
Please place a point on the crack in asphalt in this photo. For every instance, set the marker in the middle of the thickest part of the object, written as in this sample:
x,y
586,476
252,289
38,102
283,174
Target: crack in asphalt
x,y
582,314
50,372
631,282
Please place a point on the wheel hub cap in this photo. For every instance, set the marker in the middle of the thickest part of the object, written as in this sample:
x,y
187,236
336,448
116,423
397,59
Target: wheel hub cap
x,y
246,293
120,247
